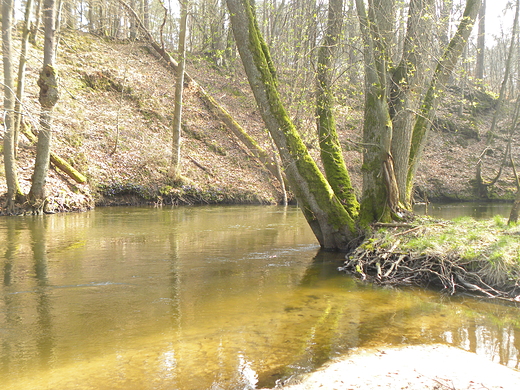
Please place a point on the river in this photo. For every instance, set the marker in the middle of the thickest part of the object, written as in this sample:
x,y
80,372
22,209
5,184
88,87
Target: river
x,y
194,298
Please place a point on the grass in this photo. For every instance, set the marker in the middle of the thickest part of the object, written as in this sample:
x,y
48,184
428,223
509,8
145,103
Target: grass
x,y
489,248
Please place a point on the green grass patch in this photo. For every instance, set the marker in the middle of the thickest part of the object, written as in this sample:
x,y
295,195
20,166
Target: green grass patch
x,y
489,247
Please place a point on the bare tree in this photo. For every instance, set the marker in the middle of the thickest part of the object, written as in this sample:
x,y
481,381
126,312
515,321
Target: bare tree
x,y
49,95
13,187
481,42
175,167
20,87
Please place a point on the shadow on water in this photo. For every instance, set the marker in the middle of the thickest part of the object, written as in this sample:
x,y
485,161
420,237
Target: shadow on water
x,y
204,298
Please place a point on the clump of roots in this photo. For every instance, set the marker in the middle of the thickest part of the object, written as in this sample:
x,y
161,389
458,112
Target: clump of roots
x,y
434,255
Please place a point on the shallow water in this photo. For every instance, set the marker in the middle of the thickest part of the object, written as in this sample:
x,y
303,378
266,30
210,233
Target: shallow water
x,y
203,298
477,210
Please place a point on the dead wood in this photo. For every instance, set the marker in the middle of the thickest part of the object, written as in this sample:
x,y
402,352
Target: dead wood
x,y
56,160
393,266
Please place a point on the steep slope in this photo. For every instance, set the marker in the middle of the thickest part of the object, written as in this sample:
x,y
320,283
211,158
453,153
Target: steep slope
x,y
112,123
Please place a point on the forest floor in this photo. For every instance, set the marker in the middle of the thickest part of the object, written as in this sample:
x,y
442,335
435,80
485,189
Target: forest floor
x,y
112,123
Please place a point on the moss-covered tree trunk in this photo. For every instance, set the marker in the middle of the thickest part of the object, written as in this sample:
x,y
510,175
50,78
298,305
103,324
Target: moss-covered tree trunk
x,y
329,219
49,95
380,196
330,148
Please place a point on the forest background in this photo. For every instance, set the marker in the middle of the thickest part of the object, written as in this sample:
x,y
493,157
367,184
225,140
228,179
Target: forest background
x,y
113,120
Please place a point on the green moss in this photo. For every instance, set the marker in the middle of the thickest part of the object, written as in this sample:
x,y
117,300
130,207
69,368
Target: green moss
x,y
296,152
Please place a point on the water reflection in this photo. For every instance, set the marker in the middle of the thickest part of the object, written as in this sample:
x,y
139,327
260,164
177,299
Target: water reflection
x,y
477,210
203,298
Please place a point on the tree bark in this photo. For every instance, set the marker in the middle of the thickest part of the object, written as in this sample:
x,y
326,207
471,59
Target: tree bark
x,y
175,167
330,148
378,200
406,87
481,42
20,87
331,223
49,95
13,187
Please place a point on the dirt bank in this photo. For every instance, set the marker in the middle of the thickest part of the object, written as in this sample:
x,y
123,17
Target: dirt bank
x,y
422,367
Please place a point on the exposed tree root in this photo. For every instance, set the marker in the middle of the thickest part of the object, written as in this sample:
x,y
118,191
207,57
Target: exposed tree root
x,y
384,265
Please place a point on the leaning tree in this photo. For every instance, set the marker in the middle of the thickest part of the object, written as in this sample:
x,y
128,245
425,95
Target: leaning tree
x,y
333,218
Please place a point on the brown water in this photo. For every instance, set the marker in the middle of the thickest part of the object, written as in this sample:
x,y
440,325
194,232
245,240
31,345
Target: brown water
x,y
203,298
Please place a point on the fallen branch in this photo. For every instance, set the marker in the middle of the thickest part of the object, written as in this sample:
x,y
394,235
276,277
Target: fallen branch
x,y
56,160
198,164
393,224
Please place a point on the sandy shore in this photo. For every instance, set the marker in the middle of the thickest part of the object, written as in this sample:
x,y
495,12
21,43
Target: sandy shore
x,y
423,367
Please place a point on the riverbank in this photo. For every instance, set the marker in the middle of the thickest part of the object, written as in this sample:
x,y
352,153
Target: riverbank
x,y
456,256
420,367
113,126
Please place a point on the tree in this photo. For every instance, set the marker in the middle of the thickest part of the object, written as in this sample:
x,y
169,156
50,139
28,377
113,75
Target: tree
x,y
49,95
334,222
175,167
507,71
398,115
13,187
36,25
330,220
330,148
430,101
20,86
407,85
481,42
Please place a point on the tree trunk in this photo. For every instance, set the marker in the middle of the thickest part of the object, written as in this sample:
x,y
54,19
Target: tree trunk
x,y
36,26
507,71
330,148
515,210
20,87
430,101
49,95
406,87
175,167
380,197
331,223
13,187
146,14
481,42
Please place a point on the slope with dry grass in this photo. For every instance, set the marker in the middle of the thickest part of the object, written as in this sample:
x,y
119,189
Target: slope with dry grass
x,y
112,123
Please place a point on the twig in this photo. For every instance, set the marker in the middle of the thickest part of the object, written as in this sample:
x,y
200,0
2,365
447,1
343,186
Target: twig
x,y
198,164
393,224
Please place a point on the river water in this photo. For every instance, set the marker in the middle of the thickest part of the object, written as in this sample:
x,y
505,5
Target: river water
x,y
194,298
